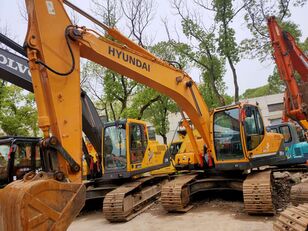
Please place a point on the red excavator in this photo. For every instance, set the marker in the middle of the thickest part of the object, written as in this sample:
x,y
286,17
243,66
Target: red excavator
x,y
292,66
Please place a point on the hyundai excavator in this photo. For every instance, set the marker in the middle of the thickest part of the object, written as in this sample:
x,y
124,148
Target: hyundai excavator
x,y
120,136
291,60
234,136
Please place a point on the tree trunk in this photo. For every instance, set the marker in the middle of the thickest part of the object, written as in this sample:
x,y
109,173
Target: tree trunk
x,y
217,94
106,112
148,104
236,88
164,138
113,113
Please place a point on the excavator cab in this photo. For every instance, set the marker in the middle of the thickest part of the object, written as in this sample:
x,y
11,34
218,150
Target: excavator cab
x,y
241,140
296,147
18,156
128,151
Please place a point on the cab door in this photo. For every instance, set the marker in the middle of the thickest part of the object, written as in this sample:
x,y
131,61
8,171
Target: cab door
x,y
227,138
114,150
137,144
254,128
262,148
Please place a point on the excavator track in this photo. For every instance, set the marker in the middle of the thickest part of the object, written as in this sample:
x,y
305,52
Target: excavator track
x,y
293,219
130,199
175,194
257,190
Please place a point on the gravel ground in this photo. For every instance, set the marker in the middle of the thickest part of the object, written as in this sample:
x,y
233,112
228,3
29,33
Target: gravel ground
x,y
218,212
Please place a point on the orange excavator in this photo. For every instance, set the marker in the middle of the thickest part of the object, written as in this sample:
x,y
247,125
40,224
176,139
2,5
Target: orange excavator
x,y
234,136
291,62
292,65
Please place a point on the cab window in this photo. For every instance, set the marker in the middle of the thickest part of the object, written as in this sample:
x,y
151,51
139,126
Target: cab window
x,y
254,127
274,130
227,137
4,151
138,142
115,146
285,131
22,162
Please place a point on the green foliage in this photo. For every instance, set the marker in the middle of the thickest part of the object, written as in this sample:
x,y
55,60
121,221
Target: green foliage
x,y
304,46
18,115
275,84
158,113
205,57
256,92
256,13
226,39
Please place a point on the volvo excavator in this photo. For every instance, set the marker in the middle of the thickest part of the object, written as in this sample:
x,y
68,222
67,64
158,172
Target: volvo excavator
x,y
235,139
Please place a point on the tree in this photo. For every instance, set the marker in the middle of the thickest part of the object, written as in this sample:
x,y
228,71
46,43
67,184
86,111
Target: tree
x,y
18,115
256,15
227,46
212,46
275,84
161,109
260,45
224,13
115,92
256,92
204,56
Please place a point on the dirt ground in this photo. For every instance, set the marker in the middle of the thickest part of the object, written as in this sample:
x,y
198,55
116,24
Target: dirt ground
x,y
219,211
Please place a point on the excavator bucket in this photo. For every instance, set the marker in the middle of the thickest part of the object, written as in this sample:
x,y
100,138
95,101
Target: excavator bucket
x,y
40,204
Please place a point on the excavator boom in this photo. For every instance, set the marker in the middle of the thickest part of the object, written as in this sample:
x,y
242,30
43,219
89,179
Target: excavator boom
x,y
291,59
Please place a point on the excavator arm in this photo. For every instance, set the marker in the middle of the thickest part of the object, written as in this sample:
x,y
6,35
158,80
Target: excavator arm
x,y
290,59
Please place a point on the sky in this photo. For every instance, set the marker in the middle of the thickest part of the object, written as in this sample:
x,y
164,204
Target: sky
x,y
251,72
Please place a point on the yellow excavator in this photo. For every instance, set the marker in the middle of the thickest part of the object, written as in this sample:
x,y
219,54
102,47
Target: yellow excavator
x,y
128,143
234,137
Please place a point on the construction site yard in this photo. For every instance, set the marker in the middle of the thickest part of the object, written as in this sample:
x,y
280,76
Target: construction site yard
x,y
219,211
212,210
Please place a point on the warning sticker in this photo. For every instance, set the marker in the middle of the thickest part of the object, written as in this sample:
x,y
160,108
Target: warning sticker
x,y
50,8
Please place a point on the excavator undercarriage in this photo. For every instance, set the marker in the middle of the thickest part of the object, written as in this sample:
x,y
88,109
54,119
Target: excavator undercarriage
x,y
176,194
130,199
258,187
